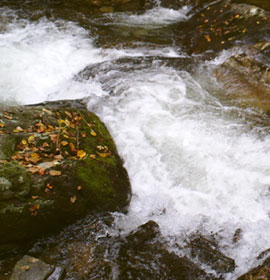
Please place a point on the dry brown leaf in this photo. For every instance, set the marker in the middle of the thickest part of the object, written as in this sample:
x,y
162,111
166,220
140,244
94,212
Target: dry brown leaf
x,y
45,144
54,137
55,172
72,147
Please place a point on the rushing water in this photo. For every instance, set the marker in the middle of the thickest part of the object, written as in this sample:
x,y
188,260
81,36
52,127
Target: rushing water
x,y
196,162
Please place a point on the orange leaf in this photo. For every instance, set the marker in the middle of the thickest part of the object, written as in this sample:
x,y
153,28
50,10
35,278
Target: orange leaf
x,y
64,143
1,125
207,37
55,173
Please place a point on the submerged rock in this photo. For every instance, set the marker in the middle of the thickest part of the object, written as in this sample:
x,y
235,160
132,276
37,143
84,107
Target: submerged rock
x,y
58,162
29,268
246,81
207,252
143,255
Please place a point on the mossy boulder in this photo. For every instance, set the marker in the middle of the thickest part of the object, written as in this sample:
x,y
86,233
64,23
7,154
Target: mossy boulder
x,y
57,162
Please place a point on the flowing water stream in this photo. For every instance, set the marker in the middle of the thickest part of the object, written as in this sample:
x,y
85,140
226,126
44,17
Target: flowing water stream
x,y
196,162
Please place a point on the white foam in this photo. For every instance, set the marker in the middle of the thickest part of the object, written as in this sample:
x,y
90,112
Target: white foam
x,y
153,18
37,60
190,167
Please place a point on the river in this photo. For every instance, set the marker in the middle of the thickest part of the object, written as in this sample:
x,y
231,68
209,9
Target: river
x,y
196,162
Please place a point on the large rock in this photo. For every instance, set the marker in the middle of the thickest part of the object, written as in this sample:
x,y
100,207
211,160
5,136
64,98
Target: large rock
x,y
29,268
57,164
246,81
219,25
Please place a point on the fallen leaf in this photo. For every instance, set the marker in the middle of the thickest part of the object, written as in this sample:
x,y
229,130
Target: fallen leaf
x,y
93,133
64,143
83,134
47,111
33,260
72,147
237,16
55,172
93,156
34,196
68,114
25,268
35,158
104,155
81,153
54,137
24,142
73,199
79,188
17,129
2,125
45,144
207,37
31,138
49,186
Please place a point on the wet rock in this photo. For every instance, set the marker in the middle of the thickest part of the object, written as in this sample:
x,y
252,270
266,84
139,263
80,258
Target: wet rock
x,y
58,162
143,252
222,25
207,252
260,272
264,4
29,268
246,81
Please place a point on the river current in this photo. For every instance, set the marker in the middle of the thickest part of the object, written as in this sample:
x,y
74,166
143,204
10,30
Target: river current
x,y
196,162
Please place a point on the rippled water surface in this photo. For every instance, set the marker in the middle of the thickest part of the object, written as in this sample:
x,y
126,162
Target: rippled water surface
x,y
196,162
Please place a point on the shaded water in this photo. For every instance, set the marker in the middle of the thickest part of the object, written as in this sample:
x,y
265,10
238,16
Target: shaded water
x,y
197,163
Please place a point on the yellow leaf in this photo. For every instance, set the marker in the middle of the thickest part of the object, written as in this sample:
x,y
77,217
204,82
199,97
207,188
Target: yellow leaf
x,y
55,173
93,133
104,155
35,158
64,143
81,153
31,138
73,199
1,125
17,129
24,142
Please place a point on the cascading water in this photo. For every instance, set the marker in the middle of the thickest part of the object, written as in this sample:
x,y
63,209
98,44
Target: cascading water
x,y
195,163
